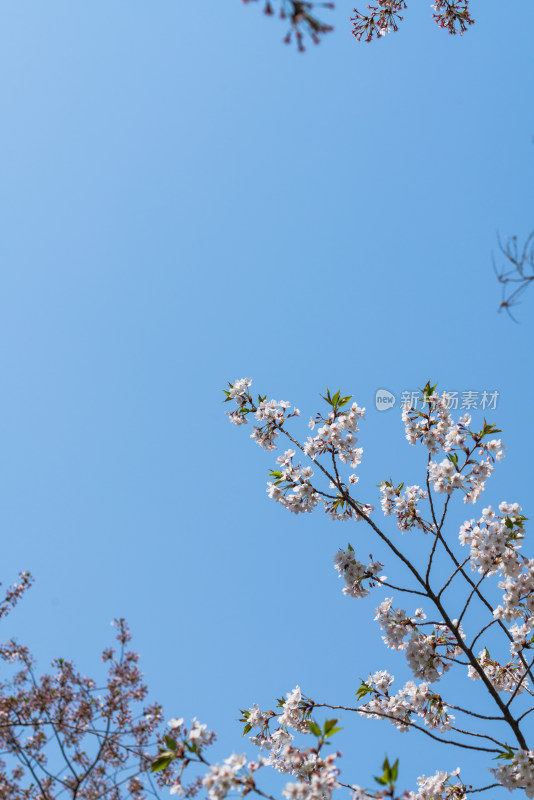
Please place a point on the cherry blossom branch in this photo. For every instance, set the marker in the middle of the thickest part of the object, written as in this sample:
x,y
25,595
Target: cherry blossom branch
x,y
431,557
452,627
483,630
520,685
21,755
411,724
471,594
456,571
431,595
493,544
400,589
502,745
474,714
484,600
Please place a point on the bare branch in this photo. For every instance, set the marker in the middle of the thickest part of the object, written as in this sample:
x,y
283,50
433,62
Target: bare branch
x,y
518,272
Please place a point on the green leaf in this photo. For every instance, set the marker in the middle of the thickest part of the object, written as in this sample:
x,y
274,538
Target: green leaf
x,y
170,742
332,731
314,728
363,691
507,754
162,761
327,398
429,390
328,725
389,775
247,728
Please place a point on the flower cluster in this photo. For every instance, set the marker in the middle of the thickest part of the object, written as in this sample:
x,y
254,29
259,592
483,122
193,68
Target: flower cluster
x,y
222,778
291,486
337,434
421,649
439,787
437,430
274,742
446,477
518,602
317,783
355,573
518,598
519,772
435,427
14,593
402,505
291,716
271,413
423,657
508,678
399,708
452,15
239,392
341,510
382,18
199,734
316,776
254,718
395,624
495,539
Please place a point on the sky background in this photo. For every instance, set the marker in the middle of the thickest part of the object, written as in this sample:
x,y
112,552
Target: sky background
x,y
184,201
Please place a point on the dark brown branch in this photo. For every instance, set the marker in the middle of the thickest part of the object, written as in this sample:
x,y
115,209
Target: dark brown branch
x,y
519,274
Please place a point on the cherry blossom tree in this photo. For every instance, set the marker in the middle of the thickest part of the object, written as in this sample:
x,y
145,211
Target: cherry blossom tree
x,y
443,633
378,18
471,614
65,735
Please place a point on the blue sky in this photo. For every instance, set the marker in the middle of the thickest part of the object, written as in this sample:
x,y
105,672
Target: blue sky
x,y
185,201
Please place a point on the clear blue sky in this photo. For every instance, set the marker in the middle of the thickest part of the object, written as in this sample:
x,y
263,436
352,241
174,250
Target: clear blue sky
x,y
185,200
